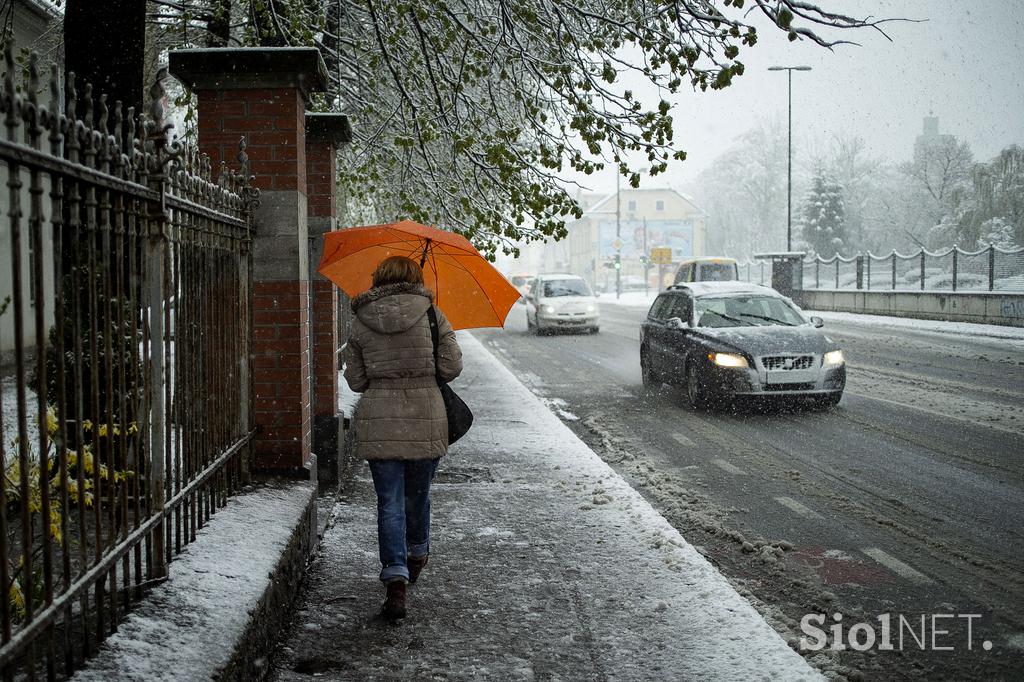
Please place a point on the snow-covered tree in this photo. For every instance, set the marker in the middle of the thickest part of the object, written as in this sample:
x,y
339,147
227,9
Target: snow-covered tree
x,y
471,113
997,232
996,206
823,216
866,181
939,182
744,193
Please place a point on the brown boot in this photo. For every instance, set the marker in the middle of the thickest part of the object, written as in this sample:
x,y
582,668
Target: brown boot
x,y
394,605
416,564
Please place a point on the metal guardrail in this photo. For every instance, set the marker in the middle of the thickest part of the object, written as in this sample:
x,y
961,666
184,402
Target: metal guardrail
x,y
125,410
987,269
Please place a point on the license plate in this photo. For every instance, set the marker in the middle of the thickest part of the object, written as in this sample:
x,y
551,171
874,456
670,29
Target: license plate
x,y
794,376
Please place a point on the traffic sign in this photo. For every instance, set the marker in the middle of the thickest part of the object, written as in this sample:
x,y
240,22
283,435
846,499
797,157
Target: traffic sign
x,y
661,255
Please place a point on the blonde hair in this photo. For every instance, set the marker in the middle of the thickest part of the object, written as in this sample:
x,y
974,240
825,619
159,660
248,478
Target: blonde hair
x,y
397,269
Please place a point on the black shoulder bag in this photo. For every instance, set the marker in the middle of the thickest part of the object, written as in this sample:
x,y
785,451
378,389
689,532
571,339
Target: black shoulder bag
x,y
460,417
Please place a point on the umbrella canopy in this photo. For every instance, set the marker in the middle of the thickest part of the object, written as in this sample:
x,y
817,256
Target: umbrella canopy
x,y
467,288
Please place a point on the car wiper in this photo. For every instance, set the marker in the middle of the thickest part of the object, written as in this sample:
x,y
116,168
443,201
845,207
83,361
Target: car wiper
x,y
726,317
768,319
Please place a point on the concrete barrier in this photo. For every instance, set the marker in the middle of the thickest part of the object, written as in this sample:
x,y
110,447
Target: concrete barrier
x,y
988,307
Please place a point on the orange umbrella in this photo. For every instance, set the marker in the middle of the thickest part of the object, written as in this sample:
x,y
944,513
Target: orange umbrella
x,y
466,287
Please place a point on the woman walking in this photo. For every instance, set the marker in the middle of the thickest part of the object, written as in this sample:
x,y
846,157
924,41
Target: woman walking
x,y
400,424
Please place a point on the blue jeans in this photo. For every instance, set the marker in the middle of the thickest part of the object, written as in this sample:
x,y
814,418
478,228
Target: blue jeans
x,y
403,512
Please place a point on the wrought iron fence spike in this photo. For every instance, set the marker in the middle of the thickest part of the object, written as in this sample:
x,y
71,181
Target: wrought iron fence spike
x,y
118,128
87,96
33,77
10,93
102,123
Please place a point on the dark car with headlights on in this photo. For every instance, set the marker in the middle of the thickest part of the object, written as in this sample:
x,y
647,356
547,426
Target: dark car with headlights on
x,y
722,340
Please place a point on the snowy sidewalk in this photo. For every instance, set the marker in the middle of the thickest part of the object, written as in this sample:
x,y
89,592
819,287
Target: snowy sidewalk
x,y
545,565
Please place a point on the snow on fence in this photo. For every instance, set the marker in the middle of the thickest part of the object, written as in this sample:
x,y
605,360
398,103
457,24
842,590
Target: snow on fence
x,y
989,268
125,401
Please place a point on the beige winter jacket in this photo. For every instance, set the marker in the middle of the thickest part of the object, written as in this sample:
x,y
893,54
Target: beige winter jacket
x,y
390,359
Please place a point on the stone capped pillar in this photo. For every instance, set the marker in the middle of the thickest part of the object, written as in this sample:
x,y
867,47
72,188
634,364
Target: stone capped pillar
x,y
262,94
325,134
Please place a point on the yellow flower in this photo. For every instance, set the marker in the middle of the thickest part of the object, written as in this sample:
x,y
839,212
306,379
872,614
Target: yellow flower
x,y
51,421
17,600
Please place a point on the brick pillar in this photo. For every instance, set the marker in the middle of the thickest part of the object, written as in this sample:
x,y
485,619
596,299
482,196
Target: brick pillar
x,y
262,94
325,133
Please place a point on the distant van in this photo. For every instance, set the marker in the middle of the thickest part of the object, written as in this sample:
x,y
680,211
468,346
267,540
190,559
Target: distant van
x,y
707,270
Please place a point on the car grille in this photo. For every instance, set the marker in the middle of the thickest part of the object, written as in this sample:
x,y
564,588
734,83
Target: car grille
x,y
789,387
785,362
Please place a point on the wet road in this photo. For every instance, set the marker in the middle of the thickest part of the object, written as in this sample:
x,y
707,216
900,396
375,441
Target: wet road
x,y
907,499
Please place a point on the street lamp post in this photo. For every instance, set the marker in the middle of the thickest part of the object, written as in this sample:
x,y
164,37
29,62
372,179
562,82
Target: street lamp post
x,y
789,169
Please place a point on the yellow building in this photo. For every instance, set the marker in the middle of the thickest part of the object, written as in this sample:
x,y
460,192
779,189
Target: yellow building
x,y
630,224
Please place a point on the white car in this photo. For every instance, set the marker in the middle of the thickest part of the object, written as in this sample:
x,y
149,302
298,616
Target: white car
x,y
562,302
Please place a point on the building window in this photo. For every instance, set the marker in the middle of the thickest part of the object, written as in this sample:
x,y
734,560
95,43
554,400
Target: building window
x,y
659,205
632,205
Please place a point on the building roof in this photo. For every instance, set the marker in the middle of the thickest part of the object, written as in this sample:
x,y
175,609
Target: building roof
x,y
607,204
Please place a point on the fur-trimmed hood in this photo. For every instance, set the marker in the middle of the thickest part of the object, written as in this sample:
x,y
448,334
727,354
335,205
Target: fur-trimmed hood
x,y
392,308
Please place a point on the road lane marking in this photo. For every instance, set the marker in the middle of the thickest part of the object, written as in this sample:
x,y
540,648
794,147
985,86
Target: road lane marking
x,y
728,467
896,566
683,440
797,508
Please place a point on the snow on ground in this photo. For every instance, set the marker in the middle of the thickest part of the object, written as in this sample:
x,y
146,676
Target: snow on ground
x,y
203,607
557,405
10,416
630,299
544,563
965,328
731,625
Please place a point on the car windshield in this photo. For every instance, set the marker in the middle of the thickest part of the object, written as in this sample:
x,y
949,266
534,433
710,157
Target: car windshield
x,y
745,311
566,287
519,280
717,272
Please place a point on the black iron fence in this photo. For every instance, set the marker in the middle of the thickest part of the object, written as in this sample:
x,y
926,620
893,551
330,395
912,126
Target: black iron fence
x,y
987,269
126,400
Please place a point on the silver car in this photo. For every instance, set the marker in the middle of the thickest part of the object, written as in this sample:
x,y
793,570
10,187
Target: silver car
x,y
562,301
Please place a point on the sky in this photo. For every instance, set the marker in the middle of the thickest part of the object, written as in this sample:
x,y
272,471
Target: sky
x,y
964,62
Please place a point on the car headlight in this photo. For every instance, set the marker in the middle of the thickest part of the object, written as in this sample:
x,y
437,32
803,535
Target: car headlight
x,y
591,308
834,357
728,360
547,309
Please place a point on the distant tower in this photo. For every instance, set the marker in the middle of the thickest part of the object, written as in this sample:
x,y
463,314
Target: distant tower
x,y
931,127
929,137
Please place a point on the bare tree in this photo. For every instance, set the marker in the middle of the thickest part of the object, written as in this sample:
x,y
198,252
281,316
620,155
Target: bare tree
x,y
940,173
